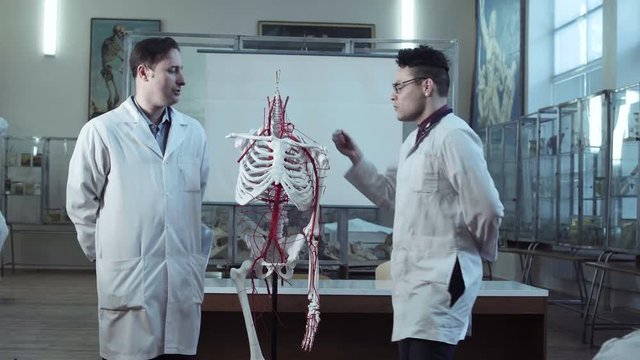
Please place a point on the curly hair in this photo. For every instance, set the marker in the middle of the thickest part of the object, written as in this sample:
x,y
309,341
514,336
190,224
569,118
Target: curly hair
x,y
427,62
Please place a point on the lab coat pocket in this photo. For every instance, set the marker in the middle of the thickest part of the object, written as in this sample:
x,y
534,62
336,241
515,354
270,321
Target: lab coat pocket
x,y
120,284
198,267
189,174
432,266
424,179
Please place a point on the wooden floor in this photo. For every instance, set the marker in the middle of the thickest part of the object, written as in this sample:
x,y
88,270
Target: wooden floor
x,y
52,315
48,316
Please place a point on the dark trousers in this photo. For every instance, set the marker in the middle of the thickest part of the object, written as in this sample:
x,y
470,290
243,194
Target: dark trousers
x,y
172,357
419,349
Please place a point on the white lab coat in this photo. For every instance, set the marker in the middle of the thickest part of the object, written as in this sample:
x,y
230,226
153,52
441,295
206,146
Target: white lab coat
x,y
446,207
624,348
138,215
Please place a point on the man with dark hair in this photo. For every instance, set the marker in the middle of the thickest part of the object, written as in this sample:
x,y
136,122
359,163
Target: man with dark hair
x,y
134,194
447,210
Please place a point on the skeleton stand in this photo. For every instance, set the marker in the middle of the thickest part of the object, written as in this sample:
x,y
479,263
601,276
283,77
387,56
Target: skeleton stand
x,y
274,313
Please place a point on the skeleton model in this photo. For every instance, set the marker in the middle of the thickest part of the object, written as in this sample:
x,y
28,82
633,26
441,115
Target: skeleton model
x,y
279,167
111,51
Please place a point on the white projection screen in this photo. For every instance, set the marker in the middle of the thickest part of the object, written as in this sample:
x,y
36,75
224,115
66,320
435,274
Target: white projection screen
x,y
325,93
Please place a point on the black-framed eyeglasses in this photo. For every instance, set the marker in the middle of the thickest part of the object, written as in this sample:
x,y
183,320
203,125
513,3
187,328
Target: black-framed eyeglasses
x,y
401,84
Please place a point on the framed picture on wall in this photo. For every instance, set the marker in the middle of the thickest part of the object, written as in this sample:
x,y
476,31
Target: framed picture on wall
x,y
106,60
315,30
498,89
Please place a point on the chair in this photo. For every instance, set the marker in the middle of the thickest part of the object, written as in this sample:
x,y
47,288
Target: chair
x,y
383,271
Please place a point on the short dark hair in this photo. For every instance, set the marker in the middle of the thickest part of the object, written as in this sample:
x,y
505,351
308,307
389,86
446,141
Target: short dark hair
x,y
427,62
150,51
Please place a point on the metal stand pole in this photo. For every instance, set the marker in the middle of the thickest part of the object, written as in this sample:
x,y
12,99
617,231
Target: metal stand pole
x,y
274,315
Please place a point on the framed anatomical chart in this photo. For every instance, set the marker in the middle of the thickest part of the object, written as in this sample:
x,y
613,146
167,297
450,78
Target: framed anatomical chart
x,y
316,30
106,60
499,71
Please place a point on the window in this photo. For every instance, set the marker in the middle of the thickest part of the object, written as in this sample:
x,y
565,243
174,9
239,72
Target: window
x,y
577,34
577,47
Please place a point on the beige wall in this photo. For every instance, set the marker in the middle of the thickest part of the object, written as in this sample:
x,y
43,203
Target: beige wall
x,y
47,96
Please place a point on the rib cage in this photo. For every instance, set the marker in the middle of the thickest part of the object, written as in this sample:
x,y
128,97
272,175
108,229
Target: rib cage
x,y
272,161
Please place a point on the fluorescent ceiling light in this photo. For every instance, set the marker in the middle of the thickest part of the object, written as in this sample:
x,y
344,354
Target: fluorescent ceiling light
x,y
50,27
407,20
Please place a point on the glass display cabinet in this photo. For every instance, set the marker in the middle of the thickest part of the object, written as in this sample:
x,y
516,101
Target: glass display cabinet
x,y
546,190
502,158
34,172
57,152
252,222
571,161
352,236
23,179
219,218
35,179
482,134
567,144
561,164
526,205
584,219
495,153
369,241
625,156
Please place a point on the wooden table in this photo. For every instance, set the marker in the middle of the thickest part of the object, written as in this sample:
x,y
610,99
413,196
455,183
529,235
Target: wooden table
x,y
509,322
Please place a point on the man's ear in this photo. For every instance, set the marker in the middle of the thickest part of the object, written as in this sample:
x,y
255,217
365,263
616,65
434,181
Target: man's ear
x,y
429,87
144,72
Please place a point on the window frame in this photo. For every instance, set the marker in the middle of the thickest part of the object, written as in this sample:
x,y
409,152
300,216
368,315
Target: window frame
x,y
582,75
588,66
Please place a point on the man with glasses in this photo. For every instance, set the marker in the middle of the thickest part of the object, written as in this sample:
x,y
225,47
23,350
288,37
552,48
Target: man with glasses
x,y
447,210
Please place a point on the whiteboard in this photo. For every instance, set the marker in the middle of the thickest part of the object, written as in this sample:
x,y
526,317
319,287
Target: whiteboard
x,y
325,93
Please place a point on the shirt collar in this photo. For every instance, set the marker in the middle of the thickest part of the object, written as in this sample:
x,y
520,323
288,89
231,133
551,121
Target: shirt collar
x,y
166,114
435,116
